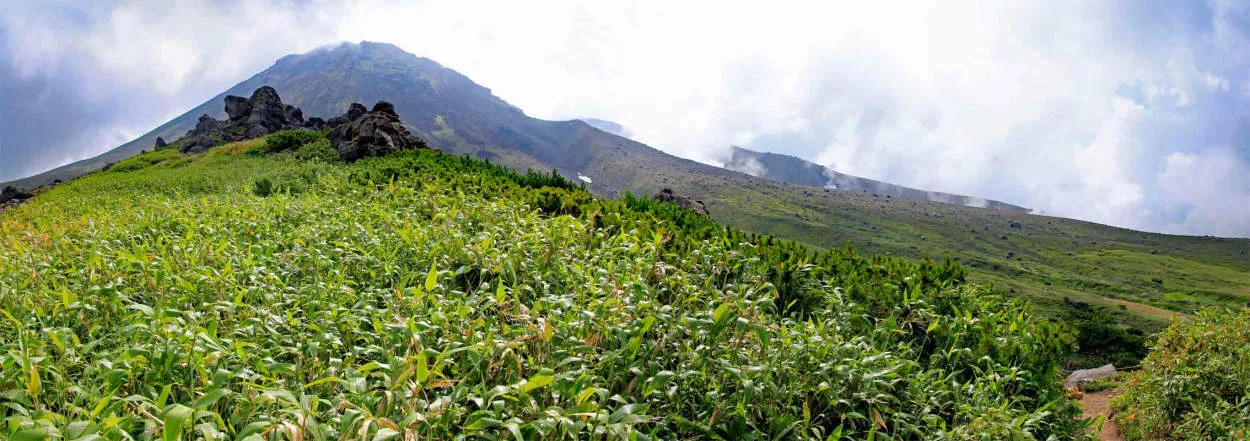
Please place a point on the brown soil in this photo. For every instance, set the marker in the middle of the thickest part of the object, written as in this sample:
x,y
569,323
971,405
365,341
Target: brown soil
x,y
1097,403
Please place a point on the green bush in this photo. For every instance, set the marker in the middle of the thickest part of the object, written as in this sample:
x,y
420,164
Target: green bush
x,y
288,140
264,187
319,149
1195,384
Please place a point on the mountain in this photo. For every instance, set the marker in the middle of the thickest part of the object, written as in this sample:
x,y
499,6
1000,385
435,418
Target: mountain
x,y
792,170
1127,281
612,127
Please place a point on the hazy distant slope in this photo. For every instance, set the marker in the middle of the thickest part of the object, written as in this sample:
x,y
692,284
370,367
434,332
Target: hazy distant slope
x,y
1048,259
793,170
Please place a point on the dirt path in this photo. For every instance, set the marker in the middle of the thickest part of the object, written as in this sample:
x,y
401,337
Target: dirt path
x,y
1097,403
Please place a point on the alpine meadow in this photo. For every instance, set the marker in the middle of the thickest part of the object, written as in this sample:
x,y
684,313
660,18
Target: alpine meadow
x,y
244,295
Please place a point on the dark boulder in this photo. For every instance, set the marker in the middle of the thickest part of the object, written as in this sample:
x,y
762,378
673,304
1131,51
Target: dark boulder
x,y
360,133
294,113
667,195
355,110
160,142
385,107
208,132
336,121
12,194
237,107
254,117
315,123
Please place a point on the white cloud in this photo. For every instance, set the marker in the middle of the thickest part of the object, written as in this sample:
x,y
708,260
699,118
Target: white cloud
x,y
1021,101
1209,190
1216,81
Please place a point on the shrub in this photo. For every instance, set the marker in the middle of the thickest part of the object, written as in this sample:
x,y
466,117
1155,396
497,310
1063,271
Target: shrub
x,y
1195,384
264,187
287,140
319,149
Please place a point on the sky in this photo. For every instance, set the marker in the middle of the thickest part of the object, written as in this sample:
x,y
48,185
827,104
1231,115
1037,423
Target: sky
x,y
1129,113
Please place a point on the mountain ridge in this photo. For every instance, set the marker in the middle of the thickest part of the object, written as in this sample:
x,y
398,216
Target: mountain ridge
x,y
795,170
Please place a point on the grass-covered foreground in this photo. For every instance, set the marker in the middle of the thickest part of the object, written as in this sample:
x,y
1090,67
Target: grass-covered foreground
x,y
239,296
1195,385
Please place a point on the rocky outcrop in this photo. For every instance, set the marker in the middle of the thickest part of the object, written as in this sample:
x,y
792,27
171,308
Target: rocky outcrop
x,y
1080,377
12,197
667,195
160,143
361,133
247,118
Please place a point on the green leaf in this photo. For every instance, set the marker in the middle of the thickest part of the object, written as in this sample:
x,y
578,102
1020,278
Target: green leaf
x,y
176,418
431,279
539,380
33,385
423,368
145,309
31,435
67,297
208,399
386,434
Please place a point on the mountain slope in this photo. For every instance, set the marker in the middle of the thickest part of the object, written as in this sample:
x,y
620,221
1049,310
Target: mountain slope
x,y
422,295
1078,271
793,170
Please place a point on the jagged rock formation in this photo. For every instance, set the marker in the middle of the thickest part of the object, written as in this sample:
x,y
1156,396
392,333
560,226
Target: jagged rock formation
x,y
667,195
360,133
247,118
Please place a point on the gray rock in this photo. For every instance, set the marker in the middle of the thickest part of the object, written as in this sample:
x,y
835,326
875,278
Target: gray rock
x,y
237,107
160,143
1080,377
667,195
253,117
355,110
315,123
360,133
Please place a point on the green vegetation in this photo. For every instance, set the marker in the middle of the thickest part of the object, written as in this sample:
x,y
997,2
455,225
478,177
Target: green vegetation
x,y
1105,281
287,140
429,296
145,160
1195,385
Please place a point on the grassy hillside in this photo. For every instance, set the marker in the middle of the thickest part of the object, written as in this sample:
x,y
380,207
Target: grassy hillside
x,y
240,296
1117,286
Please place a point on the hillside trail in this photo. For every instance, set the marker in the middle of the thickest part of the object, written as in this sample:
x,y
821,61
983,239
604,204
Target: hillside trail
x,y
1098,403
